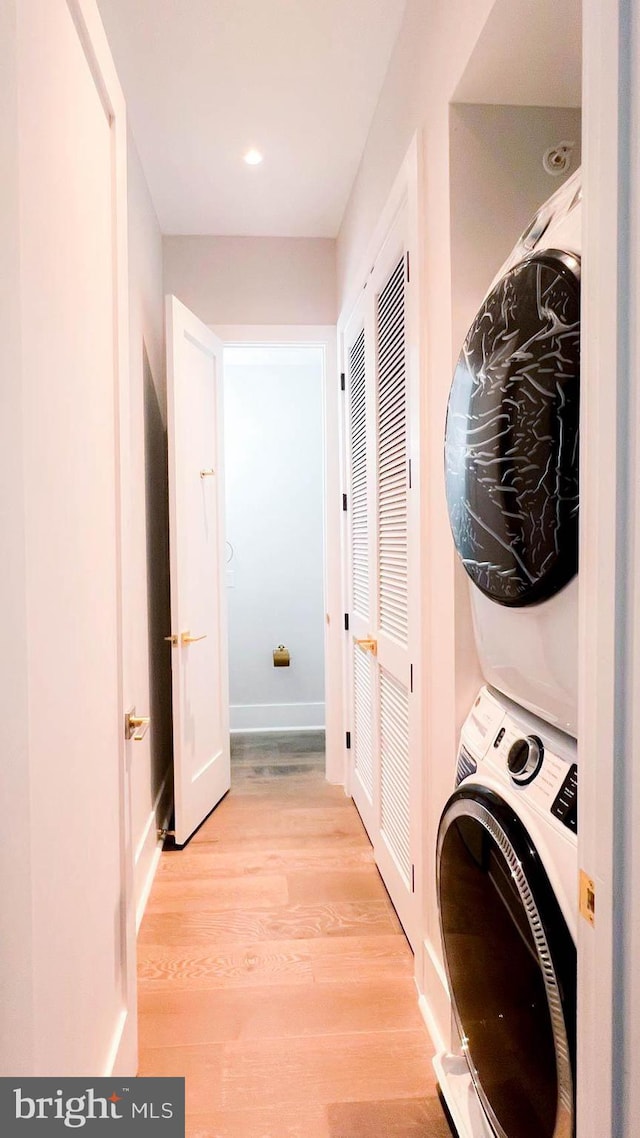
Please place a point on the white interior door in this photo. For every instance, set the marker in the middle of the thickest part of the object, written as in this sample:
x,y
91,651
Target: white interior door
x,y
202,771
68,983
382,748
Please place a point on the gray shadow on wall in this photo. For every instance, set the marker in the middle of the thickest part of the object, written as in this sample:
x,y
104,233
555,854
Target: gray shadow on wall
x,y
158,583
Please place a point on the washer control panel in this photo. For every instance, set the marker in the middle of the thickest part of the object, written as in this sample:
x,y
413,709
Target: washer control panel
x,y
565,806
525,761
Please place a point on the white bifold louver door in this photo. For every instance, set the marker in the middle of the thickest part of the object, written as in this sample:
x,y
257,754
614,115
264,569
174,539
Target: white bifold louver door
x,y
378,526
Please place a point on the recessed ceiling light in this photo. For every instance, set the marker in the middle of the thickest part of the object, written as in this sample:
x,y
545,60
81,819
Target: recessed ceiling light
x,y
253,157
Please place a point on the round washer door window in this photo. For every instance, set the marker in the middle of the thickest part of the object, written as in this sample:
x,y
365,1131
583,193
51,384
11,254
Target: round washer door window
x,y
511,965
511,448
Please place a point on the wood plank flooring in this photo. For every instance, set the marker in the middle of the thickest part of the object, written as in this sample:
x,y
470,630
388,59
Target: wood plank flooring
x,y
273,971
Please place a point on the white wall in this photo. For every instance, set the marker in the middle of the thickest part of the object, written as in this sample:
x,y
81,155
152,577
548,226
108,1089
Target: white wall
x,y
274,492
253,280
497,184
151,771
16,1022
434,46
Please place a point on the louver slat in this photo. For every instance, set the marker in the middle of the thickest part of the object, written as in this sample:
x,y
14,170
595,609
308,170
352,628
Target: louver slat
x,y
392,456
359,521
395,821
363,719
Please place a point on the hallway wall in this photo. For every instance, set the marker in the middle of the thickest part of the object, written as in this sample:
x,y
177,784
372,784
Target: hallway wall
x,y
253,280
274,524
151,783
16,1023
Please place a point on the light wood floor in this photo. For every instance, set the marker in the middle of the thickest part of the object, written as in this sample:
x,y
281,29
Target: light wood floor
x,y
273,971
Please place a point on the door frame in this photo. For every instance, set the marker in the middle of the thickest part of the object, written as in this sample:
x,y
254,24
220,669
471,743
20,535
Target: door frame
x,y
122,1058
407,192
321,336
609,632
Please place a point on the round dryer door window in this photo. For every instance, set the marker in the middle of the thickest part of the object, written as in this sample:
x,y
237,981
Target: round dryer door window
x,y
511,965
511,450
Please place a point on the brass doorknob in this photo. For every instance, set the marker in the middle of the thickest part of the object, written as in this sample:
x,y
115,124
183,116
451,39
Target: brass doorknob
x,y
368,645
187,638
135,726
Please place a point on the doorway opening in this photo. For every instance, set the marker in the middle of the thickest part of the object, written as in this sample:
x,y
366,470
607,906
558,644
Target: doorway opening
x,y
275,579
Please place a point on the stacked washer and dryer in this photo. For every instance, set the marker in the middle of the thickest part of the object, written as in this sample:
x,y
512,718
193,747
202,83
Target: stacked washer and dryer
x,y
507,842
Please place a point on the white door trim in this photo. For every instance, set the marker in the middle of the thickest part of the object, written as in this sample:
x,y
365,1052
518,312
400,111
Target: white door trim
x,y
609,724
322,336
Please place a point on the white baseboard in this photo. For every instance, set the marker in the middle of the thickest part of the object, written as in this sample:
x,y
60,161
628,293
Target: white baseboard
x,y
435,1003
148,851
116,1060
431,1024
277,717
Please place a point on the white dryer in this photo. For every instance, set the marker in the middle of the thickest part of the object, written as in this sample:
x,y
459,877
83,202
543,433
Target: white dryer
x,y
507,879
511,465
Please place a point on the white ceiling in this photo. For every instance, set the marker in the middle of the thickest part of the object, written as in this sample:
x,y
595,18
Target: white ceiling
x,y
206,79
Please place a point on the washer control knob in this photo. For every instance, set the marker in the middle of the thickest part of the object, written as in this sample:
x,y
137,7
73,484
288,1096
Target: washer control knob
x,y
524,758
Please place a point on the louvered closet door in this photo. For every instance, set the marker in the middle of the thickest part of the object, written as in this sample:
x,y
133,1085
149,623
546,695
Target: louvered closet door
x,y
378,512
361,592
393,841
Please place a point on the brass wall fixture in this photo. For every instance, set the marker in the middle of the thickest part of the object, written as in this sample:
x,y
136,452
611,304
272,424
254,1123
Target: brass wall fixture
x,y
281,657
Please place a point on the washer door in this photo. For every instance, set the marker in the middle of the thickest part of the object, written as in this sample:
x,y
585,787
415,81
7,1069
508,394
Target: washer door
x,y
511,448
511,965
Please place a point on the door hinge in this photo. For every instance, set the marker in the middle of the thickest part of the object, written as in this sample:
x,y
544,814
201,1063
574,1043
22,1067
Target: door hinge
x,y
408,268
411,678
344,501
343,382
348,740
413,878
409,473
346,622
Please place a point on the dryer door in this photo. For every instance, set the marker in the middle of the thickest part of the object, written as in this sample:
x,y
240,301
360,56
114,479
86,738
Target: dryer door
x,y
511,449
511,965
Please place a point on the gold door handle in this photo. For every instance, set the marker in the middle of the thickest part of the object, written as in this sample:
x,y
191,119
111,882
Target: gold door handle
x,y
187,638
135,726
368,644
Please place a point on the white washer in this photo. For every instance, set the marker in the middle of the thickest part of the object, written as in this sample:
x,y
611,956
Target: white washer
x,y
511,463
507,873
